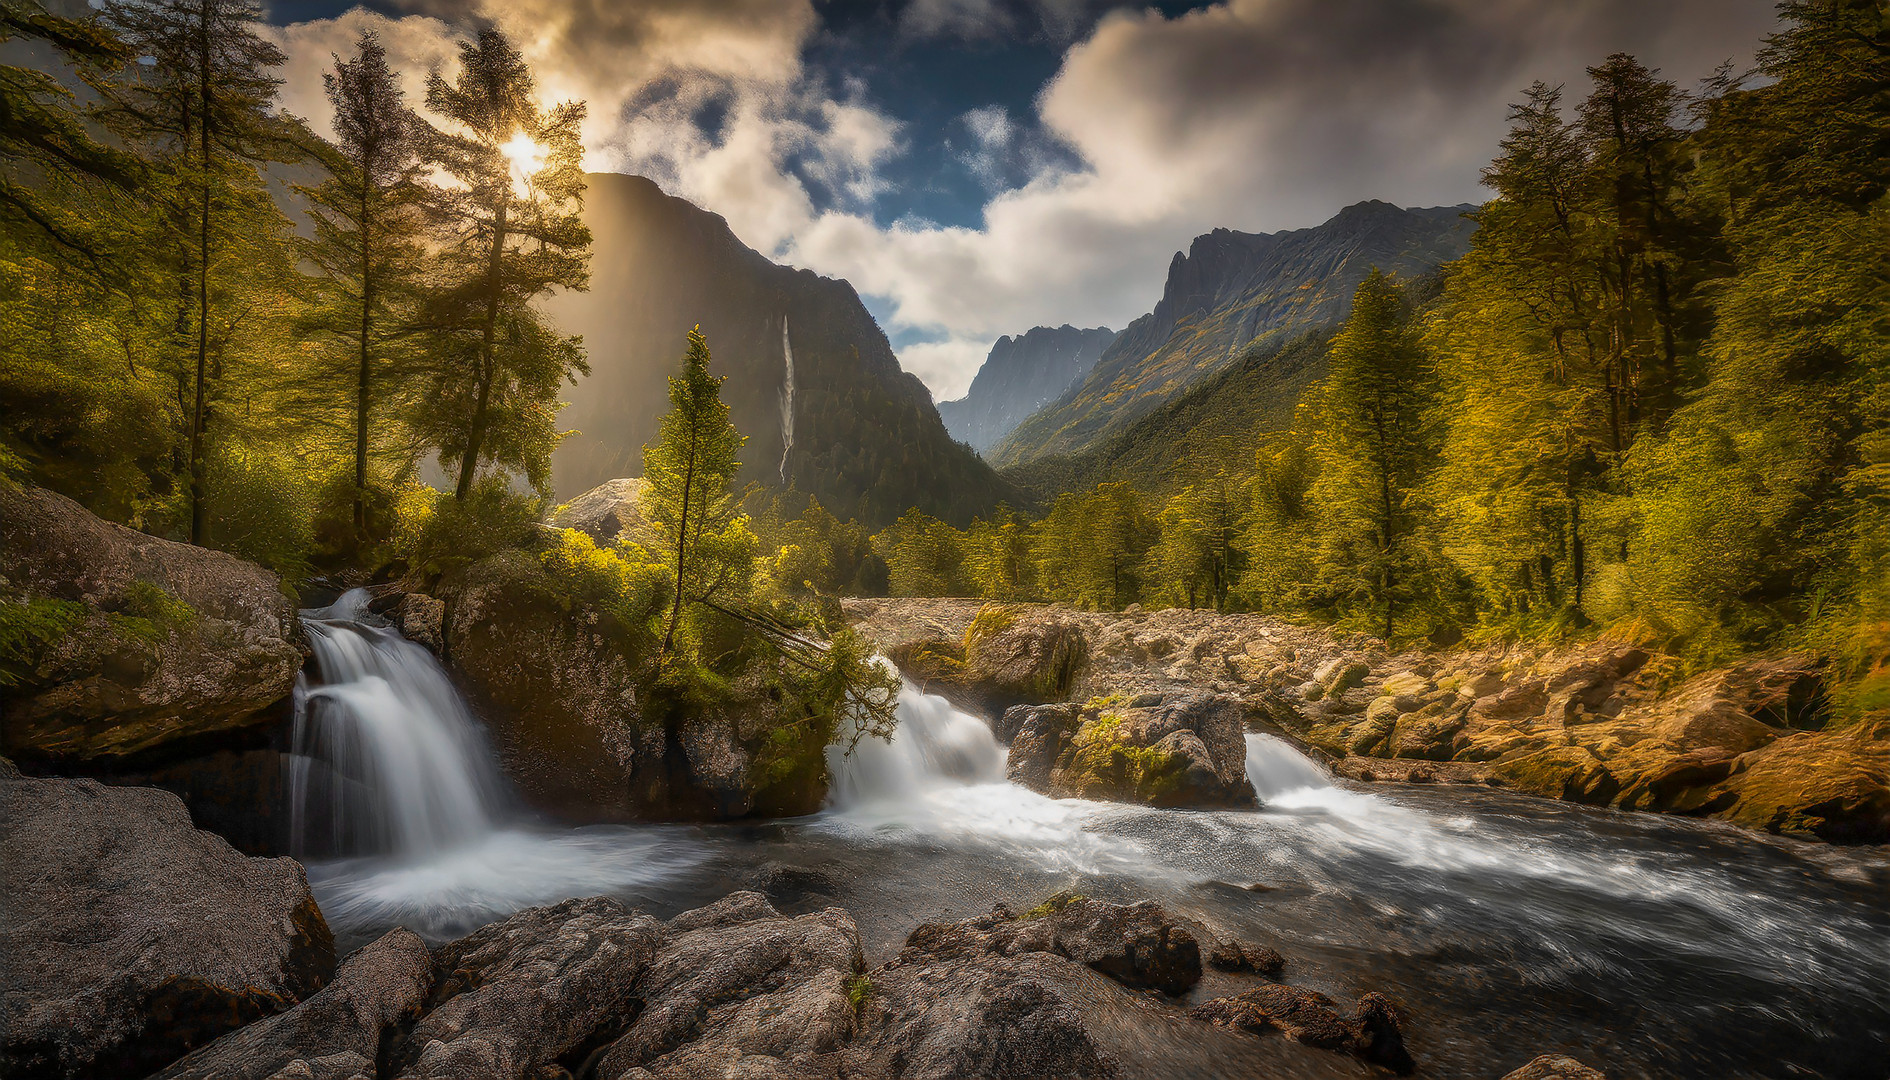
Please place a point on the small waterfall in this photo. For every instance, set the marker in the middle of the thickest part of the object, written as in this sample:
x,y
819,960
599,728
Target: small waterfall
x,y
386,756
935,746
1276,768
787,400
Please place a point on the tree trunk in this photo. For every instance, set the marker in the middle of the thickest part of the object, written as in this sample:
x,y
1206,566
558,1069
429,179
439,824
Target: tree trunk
x,y
199,518
362,374
682,544
476,430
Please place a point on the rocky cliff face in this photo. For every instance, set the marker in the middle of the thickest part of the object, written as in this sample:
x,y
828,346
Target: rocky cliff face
x,y
865,437
1231,292
1021,375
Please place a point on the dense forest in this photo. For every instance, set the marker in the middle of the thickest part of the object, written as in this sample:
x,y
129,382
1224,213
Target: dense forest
x,y
1650,401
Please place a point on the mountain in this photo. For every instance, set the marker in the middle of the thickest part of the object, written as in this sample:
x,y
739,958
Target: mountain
x,y
1231,291
1021,375
1214,423
854,429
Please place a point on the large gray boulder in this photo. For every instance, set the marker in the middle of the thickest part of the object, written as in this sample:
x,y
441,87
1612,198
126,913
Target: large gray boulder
x,y
130,938
132,641
1182,749
335,1035
606,512
743,991
516,996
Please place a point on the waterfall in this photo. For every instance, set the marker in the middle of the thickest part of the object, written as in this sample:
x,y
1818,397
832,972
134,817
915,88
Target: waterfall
x,y
934,746
787,400
1276,768
386,756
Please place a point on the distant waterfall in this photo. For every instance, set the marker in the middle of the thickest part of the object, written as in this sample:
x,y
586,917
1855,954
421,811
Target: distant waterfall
x,y
386,757
787,400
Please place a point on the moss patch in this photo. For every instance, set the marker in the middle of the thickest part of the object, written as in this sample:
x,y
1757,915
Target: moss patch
x,y
28,629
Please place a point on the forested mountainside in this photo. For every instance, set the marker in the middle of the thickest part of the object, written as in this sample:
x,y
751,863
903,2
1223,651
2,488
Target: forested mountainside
x,y
1228,292
1021,375
1194,434
865,436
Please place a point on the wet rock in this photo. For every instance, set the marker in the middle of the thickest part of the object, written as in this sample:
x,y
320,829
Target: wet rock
x,y
1240,956
558,694
1345,677
1554,1067
987,1015
1137,945
1373,1033
1177,750
606,512
763,995
793,884
1048,717
336,1034
1570,773
420,619
143,641
520,996
1026,663
718,766
1381,719
130,938
1833,785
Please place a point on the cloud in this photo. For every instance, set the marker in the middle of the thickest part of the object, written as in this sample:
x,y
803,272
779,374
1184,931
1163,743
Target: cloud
x,y
1249,114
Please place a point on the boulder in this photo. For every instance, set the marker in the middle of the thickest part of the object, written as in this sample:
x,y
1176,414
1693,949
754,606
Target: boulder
x,y
1241,956
131,937
335,1035
559,696
1832,785
420,619
1570,773
1373,1033
1554,1067
1137,945
516,997
1177,750
1004,659
743,991
127,641
606,512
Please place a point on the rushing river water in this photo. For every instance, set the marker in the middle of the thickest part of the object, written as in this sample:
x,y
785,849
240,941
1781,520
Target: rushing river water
x,y
1505,926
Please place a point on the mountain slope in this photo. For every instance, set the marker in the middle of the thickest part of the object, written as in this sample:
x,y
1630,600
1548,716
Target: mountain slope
x,y
1217,422
865,437
1021,375
1229,292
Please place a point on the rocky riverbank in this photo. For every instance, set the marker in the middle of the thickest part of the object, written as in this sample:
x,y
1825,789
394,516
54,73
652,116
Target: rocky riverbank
x,y
152,947
1600,723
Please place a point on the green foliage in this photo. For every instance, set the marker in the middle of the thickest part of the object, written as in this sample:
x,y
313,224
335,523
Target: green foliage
x,y
436,532
515,234
620,581
689,499
27,629
924,556
859,988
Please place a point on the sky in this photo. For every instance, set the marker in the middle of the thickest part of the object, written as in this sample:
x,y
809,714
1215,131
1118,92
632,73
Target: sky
x,y
979,167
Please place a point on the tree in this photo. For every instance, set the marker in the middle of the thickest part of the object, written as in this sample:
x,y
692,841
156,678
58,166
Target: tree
x,y
1376,447
1200,555
43,134
689,497
368,232
997,555
201,102
514,232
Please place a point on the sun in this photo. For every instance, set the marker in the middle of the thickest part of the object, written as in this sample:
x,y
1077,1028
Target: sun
x,y
526,156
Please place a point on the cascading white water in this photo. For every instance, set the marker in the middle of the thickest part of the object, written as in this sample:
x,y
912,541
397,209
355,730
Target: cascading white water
x,y
787,400
935,746
1276,768
386,756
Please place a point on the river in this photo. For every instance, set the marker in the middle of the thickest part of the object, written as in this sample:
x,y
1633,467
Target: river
x,y
1505,926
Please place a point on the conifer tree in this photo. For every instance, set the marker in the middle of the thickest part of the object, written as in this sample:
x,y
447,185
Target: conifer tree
x,y
513,233
199,100
690,499
368,232
1376,448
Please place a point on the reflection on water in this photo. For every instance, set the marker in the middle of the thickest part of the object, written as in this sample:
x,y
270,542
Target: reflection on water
x,y
1506,926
